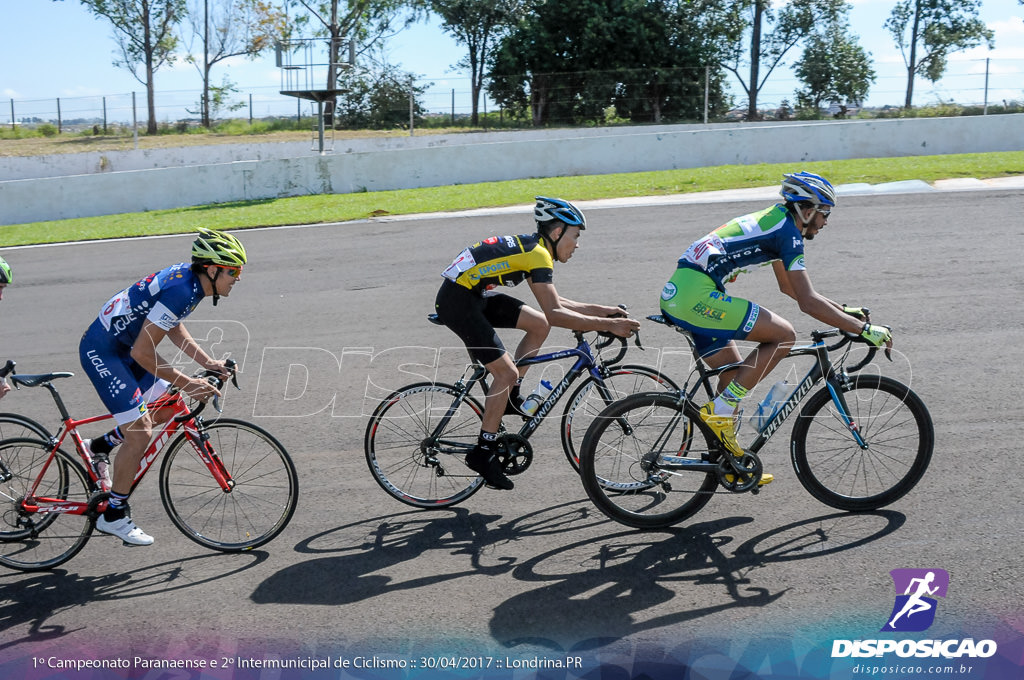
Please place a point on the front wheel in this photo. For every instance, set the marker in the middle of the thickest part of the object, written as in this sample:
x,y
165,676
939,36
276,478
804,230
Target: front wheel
x,y
416,442
593,396
894,423
643,462
32,541
258,506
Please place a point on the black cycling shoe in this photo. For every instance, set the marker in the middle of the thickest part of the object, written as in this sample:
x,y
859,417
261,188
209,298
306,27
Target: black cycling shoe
x,y
485,463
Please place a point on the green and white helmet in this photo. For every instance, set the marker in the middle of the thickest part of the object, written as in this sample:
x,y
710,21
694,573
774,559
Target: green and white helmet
x,y
218,247
6,276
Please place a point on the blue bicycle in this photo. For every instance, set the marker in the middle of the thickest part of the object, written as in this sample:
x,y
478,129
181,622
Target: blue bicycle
x,y
419,435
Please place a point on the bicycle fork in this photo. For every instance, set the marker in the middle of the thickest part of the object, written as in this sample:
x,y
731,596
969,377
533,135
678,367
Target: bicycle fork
x,y
200,441
839,399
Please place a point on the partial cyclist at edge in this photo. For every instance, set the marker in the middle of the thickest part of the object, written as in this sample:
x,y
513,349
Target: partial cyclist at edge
x,y
119,354
6,279
695,298
469,304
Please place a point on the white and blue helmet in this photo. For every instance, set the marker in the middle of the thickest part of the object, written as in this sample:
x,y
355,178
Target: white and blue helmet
x,y
805,186
550,210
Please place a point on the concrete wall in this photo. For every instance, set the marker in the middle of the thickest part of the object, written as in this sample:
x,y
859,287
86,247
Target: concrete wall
x,y
499,157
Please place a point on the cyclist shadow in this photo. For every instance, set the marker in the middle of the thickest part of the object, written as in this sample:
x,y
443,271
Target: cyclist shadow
x,y
370,546
33,601
617,578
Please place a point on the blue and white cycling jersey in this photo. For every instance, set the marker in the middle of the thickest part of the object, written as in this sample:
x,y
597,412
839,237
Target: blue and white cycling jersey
x,y
164,298
754,239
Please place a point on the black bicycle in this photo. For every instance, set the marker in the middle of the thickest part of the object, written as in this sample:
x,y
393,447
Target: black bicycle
x,y
419,435
860,443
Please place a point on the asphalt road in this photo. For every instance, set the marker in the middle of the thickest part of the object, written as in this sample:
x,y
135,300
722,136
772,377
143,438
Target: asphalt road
x,y
326,318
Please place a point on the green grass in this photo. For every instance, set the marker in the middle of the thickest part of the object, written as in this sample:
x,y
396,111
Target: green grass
x,y
344,207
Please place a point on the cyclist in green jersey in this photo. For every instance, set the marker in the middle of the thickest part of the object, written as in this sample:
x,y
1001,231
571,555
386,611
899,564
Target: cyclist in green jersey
x,y
695,297
469,304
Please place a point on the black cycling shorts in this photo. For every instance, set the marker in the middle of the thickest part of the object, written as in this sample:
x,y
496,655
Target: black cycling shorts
x,y
474,317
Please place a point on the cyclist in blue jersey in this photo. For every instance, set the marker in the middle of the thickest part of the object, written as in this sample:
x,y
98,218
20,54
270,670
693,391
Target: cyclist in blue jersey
x,y
469,303
119,354
695,297
6,279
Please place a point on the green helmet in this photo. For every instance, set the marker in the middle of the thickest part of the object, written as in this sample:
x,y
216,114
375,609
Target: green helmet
x,y
218,247
6,276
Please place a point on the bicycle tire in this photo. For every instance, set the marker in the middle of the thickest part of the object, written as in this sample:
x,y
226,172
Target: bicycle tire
x,y
15,426
259,505
586,402
616,469
404,457
834,469
39,541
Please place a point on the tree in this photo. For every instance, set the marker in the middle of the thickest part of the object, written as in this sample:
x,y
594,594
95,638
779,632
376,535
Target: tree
x,y
230,28
833,68
144,32
766,48
477,24
567,61
937,27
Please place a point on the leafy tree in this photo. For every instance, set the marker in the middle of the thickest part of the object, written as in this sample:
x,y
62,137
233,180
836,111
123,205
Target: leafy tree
x,y
477,24
568,61
230,28
767,45
937,28
378,100
833,68
144,32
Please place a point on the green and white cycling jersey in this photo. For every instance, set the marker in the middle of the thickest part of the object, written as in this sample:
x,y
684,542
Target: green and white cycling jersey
x,y
754,239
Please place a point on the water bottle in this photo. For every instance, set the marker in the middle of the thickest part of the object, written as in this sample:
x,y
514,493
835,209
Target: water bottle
x,y
533,402
771,404
101,463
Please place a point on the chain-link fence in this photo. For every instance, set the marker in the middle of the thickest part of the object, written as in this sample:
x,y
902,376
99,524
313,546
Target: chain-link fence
x,y
979,86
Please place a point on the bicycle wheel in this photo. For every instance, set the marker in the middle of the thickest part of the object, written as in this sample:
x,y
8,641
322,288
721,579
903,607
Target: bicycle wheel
x,y
35,541
587,401
259,505
14,426
894,423
412,462
625,468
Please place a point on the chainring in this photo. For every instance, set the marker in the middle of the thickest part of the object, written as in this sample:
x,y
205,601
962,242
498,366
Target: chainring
x,y
515,453
749,465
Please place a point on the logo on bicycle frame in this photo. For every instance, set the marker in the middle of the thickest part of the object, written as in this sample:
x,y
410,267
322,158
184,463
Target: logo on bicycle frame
x,y
915,606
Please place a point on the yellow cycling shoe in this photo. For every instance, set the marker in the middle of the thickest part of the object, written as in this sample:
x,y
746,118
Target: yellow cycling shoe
x,y
766,478
724,428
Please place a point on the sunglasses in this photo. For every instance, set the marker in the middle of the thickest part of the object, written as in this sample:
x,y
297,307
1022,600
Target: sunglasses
x,y
824,211
233,272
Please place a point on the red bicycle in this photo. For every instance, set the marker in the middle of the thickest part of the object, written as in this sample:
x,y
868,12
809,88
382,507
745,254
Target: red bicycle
x,y
226,484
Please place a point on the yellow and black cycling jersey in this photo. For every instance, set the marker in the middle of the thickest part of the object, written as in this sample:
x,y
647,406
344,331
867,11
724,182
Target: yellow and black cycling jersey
x,y
501,261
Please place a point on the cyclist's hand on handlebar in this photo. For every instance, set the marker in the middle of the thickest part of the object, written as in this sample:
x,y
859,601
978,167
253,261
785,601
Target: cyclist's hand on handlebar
x,y
878,336
4,387
862,313
623,327
201,389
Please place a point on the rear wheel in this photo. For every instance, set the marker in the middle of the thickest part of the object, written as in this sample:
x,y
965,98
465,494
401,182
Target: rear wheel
x,y
633,462
31,541
412,462
14,426
893,422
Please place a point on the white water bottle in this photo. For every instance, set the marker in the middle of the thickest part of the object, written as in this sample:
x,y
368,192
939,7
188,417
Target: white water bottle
x,y
533,402
771,404
101,463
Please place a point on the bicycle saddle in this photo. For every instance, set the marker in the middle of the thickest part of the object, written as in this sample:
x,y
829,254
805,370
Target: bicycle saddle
x,y
37,380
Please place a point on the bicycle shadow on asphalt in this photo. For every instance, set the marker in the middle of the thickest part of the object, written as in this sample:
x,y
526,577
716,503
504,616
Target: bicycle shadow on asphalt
x,y
34,600
373,545
619,577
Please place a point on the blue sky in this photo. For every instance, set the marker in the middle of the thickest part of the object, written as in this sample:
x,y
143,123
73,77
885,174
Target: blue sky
x,y
58,49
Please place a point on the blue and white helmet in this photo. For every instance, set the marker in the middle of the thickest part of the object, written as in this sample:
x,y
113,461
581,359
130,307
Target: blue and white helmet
x,y
555,209
805,186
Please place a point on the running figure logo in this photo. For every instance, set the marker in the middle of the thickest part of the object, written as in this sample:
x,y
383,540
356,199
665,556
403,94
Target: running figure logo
x,y
915,605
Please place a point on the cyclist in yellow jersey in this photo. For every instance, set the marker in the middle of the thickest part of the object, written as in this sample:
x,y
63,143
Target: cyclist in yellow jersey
x,y
469,304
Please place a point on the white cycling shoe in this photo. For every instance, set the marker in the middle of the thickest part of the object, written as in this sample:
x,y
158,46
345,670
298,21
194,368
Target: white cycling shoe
x,y
125,529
